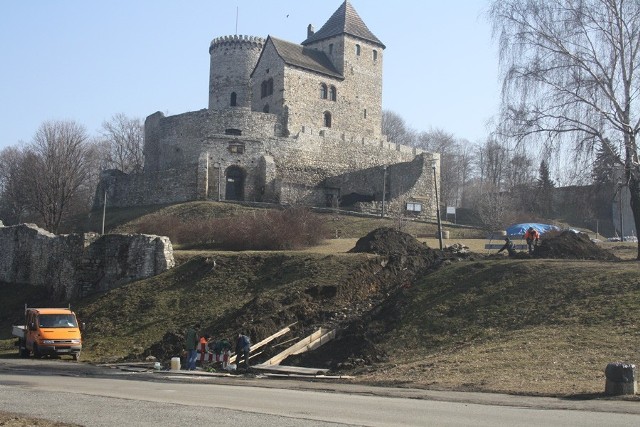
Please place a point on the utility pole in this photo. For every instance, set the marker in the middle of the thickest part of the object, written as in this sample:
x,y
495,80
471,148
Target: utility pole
x,y
435,186
219,178
384,187
104,209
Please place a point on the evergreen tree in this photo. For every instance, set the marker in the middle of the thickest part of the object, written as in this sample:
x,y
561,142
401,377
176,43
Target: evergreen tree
x,y
544,201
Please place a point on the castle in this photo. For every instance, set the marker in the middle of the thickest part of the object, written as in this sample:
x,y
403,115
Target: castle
x,y
286,123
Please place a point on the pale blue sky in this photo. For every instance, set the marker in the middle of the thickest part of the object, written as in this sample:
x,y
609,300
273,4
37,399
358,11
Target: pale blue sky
x,y
88,60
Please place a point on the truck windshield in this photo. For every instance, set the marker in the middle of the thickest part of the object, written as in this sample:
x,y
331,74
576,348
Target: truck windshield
x,y
57,321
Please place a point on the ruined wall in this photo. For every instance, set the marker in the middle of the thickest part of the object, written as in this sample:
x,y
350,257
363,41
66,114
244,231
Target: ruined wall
x,y
74,265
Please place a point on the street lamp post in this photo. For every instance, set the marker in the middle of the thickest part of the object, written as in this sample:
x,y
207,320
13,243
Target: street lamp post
x,y
384,187
104,210
219,166
435,186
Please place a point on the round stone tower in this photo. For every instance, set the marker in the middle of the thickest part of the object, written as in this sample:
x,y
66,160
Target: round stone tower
x,y
233,58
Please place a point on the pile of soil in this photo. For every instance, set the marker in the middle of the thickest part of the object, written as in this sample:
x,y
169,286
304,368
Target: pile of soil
x,y
389,241
571,245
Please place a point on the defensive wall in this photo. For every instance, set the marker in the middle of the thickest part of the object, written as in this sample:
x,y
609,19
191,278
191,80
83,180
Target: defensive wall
x,y
188,157
75,265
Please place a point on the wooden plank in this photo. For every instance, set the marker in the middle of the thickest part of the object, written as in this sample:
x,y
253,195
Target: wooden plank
x,y
265,341
323,339
291,369
497,246
311,342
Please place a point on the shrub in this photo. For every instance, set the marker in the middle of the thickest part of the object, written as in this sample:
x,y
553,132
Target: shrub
x,y
292,228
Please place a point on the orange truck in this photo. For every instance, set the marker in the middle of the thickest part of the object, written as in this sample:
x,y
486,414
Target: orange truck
x,y
49,331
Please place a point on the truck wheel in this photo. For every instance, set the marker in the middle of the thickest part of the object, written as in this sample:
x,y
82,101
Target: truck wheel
x,y
76,356
36,351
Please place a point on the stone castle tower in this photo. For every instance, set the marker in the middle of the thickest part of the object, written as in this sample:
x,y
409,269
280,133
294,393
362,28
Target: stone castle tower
x,y
285,123
233,58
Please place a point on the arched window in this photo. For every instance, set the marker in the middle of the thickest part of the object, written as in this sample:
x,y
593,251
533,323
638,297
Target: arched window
x,y
270,87
332,93
323,91
234,99
327,119
358,50
265,109
263,89
375,55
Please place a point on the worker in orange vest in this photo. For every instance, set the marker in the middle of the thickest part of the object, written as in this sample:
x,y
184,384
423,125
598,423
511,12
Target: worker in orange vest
x,y
532,237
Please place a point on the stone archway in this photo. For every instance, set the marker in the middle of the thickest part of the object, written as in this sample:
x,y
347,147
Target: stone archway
x,y
234,189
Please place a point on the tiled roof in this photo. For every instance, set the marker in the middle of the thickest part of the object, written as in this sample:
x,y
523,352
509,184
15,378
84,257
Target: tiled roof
x,y
304,57
345,20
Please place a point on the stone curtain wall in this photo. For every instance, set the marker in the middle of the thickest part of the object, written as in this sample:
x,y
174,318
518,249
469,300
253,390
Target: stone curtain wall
x,y
75,265
193,144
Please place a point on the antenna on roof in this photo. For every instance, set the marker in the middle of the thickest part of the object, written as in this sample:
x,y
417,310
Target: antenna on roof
x,y
237,7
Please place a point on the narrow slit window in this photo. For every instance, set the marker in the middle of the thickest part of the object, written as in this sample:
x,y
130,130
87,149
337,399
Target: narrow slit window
x,y
327,119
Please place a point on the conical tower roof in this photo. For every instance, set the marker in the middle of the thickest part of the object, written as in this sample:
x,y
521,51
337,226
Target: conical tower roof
x,y
345,20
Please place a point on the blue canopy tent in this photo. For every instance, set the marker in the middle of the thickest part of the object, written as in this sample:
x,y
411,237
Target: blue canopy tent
x,y
518,230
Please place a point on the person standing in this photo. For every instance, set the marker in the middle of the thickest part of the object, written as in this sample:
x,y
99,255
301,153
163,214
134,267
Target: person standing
x,y
243,347
191,345
532,237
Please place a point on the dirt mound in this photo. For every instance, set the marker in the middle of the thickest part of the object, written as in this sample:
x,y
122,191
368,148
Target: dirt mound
x,y
389,241
570,245
171,345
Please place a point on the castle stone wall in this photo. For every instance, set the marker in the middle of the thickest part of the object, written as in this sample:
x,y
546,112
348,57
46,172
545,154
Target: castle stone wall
x,y
74,265
271,66
194,147
149,188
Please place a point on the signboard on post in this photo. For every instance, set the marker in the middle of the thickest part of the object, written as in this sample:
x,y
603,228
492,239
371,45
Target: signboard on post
x,y
451,211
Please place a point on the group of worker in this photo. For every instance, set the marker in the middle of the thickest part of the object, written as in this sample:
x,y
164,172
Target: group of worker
x,y
220,348
532,238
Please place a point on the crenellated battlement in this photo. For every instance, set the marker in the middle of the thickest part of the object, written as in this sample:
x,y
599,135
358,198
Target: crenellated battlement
x,y
237,41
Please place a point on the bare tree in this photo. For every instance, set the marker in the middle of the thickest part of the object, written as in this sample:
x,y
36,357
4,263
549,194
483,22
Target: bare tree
x,y
125,139
54,169
571,75
12,192
495,211
396,129
491,158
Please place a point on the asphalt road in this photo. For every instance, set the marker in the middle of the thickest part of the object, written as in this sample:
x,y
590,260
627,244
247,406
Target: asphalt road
x,y
91,396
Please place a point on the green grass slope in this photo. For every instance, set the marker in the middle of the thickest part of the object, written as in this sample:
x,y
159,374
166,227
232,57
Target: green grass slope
x,y
532,326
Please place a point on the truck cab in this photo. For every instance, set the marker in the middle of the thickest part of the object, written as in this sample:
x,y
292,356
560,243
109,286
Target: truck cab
x,y
49,331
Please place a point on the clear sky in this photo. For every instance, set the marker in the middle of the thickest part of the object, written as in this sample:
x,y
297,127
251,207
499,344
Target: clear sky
x,y
88,60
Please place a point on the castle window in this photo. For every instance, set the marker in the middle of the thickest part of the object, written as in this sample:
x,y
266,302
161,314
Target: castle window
x,y
327,119
358,50
266,88
331,49
375,55
236,147
365,113
414,207
323,91
236,132
234,99
332,93
265,109
270,87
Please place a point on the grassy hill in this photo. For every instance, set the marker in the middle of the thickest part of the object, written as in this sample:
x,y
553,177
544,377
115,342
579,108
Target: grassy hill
x,y
481,323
